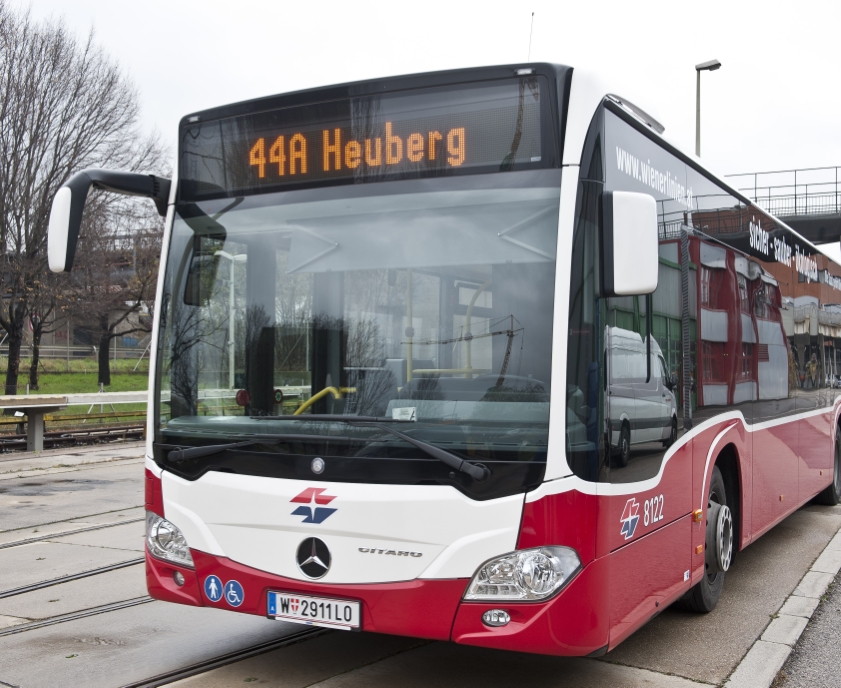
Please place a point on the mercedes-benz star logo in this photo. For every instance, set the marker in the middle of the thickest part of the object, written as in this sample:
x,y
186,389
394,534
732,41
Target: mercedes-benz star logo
x,y
313,558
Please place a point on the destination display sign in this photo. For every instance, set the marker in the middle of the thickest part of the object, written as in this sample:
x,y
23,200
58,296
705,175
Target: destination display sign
x,y
491,126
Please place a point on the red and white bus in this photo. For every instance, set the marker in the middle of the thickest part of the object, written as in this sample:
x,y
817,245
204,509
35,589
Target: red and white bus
x,y
474,356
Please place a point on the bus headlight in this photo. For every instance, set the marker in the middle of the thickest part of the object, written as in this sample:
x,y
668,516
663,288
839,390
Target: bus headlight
x,y
165,541
530,574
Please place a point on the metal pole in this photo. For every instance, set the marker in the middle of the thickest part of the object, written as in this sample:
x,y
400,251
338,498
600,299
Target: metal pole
x,y
409,329
231,353
698,113
68,345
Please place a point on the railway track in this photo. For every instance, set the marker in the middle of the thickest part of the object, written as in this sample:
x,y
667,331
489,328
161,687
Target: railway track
x,y
76,436
229,658
161,679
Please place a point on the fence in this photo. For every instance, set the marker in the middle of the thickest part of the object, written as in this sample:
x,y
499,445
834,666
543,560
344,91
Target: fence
x,y
786,193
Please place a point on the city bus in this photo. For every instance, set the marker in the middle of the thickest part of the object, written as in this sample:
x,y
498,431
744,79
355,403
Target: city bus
x,y
473,355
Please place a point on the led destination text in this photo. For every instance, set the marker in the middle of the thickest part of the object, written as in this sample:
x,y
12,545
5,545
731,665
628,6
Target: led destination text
x,y
416,133
333,150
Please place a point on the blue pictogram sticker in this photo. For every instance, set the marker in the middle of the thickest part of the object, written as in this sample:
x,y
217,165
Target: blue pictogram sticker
x,y
213,588
234,594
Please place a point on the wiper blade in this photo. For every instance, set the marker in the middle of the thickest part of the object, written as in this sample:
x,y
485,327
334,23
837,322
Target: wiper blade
x,y
476,471
184,453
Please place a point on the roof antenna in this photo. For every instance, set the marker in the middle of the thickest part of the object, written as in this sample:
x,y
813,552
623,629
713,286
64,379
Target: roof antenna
x,y
531,31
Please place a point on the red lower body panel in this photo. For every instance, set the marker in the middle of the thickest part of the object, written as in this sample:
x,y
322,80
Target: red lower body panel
x,y
418,608
570,624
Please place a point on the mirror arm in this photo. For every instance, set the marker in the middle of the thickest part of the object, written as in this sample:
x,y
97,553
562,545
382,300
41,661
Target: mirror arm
x,y
69,204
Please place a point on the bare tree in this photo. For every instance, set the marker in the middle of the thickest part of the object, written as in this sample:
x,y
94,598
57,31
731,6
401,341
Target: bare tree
x,y
115,274
64,106
47,301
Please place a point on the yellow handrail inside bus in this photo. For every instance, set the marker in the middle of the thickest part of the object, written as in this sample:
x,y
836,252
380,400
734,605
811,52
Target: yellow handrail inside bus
x,y
337,394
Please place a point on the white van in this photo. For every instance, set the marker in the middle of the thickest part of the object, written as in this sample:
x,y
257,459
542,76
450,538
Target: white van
x,y
638,411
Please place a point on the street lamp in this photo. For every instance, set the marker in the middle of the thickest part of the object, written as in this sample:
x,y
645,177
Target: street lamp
x,y
240,258
710,66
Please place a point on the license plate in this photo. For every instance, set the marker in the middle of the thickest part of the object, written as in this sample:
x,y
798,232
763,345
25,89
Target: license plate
x,y
314,611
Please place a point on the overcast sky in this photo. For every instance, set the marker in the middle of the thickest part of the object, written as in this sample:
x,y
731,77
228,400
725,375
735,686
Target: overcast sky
x,y
773,105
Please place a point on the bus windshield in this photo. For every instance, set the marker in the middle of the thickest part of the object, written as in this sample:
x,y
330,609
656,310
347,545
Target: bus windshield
x,y
428,301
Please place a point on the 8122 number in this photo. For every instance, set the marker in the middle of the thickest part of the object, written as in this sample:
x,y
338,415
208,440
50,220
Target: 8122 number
x,y
653,510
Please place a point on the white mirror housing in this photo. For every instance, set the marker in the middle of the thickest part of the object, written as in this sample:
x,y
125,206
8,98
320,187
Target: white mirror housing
x,y
630,247
69,204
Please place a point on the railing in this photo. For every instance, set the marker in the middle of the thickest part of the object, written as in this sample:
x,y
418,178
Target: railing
x,y
74,352
786,193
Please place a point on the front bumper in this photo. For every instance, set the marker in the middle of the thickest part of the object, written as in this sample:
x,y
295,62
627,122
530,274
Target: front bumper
x,y
418,608
572,623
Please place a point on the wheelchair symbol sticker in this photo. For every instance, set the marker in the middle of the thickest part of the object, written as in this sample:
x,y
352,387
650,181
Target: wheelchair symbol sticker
x,y
234,594
213,588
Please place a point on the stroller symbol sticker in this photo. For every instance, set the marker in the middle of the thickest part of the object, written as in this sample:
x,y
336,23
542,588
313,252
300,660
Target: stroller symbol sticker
x,y
234,594
213,588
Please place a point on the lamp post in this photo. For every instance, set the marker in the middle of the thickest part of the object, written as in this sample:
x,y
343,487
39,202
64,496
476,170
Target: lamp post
x,y
709,66
240,258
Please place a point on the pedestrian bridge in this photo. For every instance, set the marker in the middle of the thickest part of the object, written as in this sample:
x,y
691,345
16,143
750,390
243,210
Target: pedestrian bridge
x,y
807,200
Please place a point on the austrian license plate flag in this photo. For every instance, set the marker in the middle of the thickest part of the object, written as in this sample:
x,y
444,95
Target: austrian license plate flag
x,y
314,611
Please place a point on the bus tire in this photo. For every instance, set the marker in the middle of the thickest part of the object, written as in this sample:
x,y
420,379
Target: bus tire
x,y
623,451
703,597
832,494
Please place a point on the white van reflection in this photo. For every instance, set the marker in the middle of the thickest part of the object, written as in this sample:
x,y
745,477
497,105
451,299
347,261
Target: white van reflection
x,y
639,412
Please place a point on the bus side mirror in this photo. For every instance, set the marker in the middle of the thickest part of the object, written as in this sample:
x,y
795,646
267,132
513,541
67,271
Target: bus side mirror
x,y
630,248
69,203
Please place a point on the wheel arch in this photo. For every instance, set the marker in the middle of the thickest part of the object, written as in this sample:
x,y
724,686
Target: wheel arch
x,y
729,464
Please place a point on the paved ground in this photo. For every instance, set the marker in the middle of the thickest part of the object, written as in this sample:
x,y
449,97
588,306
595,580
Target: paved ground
x,y
49,495
814,663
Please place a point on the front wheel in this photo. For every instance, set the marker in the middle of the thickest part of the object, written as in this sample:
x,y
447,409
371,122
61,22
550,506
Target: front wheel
x,y
832,494
704,596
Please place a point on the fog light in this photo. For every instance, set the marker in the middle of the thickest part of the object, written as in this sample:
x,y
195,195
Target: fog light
x,y
495,617
166,541
530,574
178,577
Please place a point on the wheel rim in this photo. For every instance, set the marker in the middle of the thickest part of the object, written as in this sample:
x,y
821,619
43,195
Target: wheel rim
x,y
724,538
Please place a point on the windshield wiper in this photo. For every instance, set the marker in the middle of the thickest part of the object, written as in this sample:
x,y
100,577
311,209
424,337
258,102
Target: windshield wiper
x,y
478,472
208,449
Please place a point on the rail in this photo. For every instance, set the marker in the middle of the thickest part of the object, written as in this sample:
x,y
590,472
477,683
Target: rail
x,y
789,193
